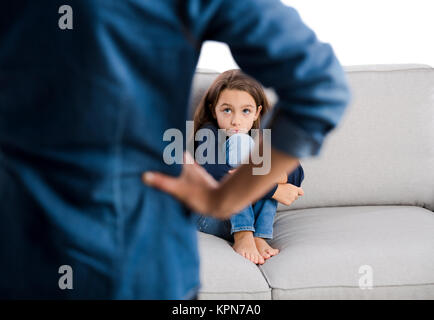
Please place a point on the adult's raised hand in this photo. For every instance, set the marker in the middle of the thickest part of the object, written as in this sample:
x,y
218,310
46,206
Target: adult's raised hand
x,y
195,187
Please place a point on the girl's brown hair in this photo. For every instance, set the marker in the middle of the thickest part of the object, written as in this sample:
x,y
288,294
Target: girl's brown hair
x,y
234,80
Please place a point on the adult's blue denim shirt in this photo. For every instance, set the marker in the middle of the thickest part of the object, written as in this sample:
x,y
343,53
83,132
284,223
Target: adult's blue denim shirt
x,y
82,116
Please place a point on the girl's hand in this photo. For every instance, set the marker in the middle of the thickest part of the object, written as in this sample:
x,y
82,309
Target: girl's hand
x,y
195,186
287,193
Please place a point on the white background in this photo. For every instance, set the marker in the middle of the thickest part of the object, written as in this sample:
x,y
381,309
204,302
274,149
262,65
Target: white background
x,y
360,31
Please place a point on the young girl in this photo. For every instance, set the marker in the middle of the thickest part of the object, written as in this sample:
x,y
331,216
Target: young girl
x,y
235,102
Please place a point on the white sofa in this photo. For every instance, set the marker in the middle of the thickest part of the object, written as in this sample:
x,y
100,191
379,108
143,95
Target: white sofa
x,y
365,227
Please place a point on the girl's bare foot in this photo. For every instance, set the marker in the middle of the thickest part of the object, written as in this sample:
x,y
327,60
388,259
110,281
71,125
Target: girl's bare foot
x,y
264,248
244,244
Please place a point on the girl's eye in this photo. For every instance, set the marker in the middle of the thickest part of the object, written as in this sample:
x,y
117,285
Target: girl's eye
x,y
227,110
248,111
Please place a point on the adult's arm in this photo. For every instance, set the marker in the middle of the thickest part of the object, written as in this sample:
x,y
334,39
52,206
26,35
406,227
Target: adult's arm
x,y
216,169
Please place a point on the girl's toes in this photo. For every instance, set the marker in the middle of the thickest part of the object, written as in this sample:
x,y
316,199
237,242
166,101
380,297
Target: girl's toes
x,y
255,259
266,255
271,252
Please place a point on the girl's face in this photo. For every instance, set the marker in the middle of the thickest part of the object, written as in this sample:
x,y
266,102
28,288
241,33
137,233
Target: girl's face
x,y
236,111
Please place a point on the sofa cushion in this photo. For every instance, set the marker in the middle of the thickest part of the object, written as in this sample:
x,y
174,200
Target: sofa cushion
x,y
323,250
227,275
382,153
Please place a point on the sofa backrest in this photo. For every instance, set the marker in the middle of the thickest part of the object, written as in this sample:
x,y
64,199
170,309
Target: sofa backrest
x,y
382,153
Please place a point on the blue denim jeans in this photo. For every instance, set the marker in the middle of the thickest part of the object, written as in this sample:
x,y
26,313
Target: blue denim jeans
x,y
258,217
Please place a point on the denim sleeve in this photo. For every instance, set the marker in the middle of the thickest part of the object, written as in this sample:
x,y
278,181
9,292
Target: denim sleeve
x,y
270,42
270,193
217,170
296,177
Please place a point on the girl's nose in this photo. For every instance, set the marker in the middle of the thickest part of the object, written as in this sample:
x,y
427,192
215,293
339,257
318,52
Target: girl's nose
x,y
236,121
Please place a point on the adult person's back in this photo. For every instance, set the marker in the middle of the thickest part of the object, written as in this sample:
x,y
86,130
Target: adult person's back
x,y
82,115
